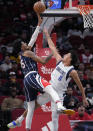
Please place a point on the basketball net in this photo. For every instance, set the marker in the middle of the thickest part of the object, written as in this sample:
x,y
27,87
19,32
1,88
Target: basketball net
x,y
87,17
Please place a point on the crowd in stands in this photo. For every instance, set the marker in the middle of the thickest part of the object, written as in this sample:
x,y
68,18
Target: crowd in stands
x,y
17,22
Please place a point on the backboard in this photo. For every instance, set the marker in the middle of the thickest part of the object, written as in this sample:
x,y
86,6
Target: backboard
x,y
63,8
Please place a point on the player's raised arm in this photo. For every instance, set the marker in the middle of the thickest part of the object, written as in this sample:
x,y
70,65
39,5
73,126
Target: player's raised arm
x,y
52,46
36,32
75,77
37,58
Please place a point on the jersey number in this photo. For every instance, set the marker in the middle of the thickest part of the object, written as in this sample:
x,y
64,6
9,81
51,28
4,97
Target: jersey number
x,y
60,77
22,64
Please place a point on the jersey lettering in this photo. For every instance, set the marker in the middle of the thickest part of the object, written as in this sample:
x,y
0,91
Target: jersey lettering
x,y
60,78
61,72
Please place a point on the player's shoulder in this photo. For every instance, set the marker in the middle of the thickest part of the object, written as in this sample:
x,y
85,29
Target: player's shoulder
x,y
28,53
59,62
73,72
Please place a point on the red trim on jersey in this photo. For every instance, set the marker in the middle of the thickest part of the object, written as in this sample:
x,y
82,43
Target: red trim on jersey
x,y
45,83
58,101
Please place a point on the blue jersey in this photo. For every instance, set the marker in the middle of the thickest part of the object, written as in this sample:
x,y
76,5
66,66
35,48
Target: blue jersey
x,y
27,65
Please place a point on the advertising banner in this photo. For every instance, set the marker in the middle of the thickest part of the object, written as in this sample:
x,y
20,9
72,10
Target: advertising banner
x,y
45,70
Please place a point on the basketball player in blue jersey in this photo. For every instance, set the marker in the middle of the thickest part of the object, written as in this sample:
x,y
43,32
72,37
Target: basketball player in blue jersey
x,y
34,83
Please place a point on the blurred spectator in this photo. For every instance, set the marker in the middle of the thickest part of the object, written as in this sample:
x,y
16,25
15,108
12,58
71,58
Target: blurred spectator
x,y
91,63
91,79
3,51
23,16
88,75
67,46
81,67
74,32
81,48
81,114
1,58
86,57
15,57
1,89
88,90
9,48
24,36
90,101
87,32
12,82
17,69
14,67
6,64
70,101
11,102
81,76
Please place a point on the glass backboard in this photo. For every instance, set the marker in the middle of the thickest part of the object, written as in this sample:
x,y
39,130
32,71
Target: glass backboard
x,y
59,8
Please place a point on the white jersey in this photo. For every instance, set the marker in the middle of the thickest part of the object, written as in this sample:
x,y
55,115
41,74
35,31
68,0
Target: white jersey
x,y
60,77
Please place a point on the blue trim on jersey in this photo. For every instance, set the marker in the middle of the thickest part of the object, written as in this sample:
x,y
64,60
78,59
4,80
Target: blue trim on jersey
x,y
69,72
58,62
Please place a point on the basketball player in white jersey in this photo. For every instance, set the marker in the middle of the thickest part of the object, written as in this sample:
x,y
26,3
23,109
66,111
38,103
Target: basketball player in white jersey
x,y
61,76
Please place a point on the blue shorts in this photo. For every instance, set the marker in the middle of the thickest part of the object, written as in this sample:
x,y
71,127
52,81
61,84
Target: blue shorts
x,y
33,83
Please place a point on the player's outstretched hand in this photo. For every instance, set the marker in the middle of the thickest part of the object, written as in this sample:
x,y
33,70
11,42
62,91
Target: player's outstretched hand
x,y
39,19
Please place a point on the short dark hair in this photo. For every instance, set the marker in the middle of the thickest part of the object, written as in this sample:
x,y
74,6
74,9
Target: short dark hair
x,y
73,57
20,44
69,87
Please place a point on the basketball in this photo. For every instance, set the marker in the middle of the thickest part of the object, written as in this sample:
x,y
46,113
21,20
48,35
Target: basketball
x,y
39,7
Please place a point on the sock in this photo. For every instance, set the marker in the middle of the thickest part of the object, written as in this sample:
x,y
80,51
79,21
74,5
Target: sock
x,y
20,119
59,105
55,118
31,107
54,95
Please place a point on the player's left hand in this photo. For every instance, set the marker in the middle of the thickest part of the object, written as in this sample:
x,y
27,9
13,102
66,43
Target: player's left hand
x,y
85,102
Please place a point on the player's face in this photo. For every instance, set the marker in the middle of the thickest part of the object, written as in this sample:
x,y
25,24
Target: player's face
x,y
67,57
24,46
